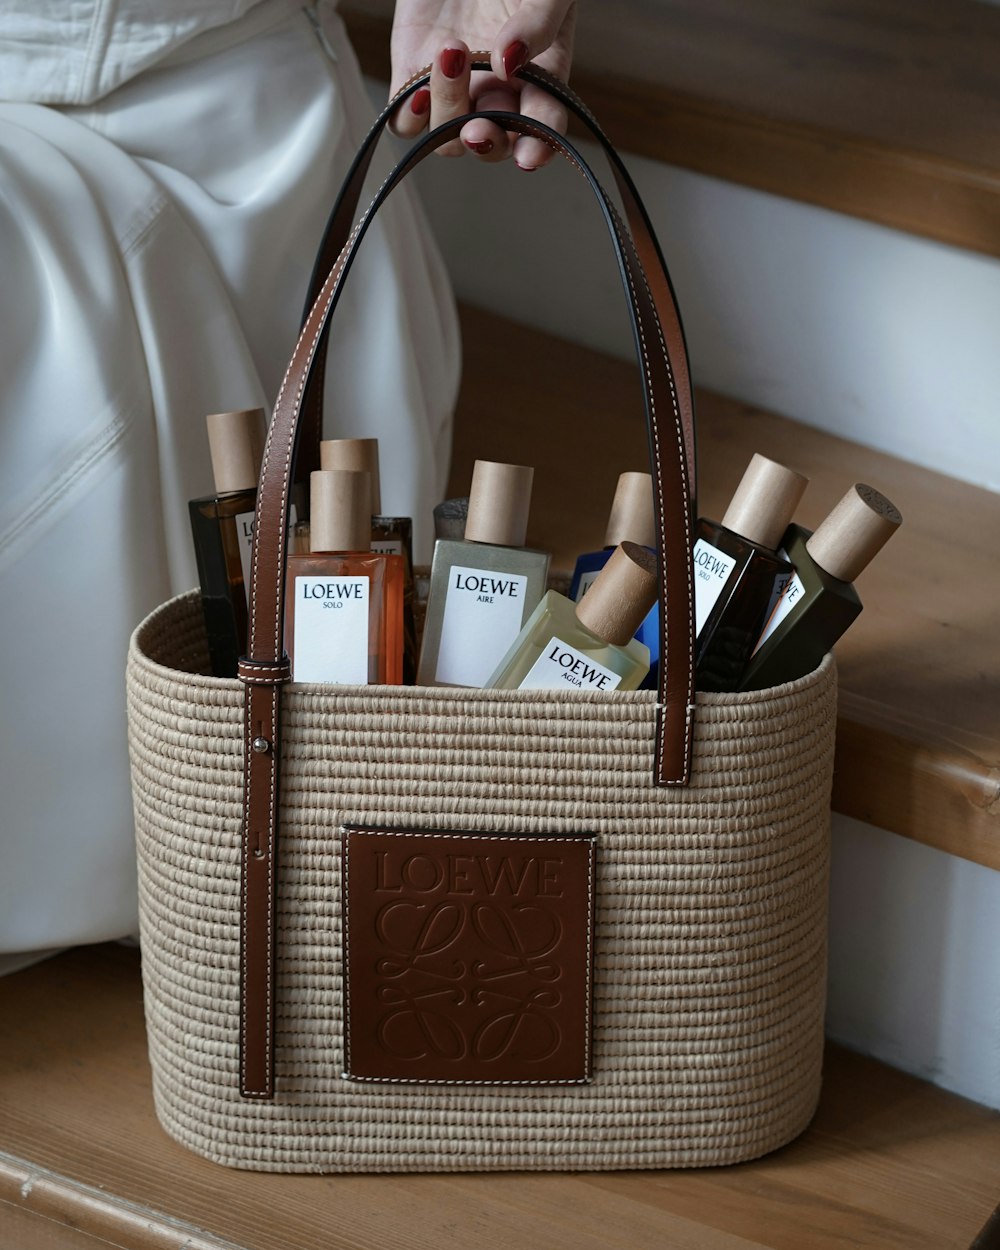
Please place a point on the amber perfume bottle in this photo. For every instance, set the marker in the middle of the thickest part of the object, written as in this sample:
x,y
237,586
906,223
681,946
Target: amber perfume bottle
x,y
485,586
820,601
588,645
632,519
738,574
222,528
344,602
390,535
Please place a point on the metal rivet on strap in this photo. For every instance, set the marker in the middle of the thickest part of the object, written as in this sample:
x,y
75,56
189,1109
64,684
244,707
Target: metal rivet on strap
x,y
261,746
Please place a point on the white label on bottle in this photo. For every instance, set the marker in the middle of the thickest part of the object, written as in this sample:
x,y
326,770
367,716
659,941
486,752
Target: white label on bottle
x,y
483,612
711,572
561,665
331,629
790,596
388,546
586,581
244,537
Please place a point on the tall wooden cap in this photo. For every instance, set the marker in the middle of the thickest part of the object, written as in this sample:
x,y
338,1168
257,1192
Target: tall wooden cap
x,y
236,445
359,455
632,518
854,532
499,502
340,510
621,594
765,501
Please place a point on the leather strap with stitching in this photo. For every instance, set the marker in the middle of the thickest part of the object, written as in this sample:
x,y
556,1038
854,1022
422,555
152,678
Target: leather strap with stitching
x,y
669,409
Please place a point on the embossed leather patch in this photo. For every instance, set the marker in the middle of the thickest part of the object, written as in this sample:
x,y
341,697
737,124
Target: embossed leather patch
x,y
467,956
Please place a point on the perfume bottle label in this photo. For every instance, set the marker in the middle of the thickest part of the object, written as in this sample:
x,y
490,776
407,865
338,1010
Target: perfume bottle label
x,y
794,590
561,665
331,629
244,535
388,546
483,611
586,581
711,572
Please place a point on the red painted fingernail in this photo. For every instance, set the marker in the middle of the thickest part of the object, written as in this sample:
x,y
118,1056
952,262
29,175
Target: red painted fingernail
x,y
515,56
421,101
452,62
484,146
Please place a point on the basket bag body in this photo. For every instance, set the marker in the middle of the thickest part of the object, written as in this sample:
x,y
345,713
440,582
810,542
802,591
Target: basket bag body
x,y
411,929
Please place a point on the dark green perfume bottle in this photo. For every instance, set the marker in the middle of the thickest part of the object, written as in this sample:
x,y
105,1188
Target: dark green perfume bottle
x,y
222,529
820,601
738,574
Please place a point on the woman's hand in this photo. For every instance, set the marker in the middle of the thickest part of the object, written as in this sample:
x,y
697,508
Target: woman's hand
x,y
441,33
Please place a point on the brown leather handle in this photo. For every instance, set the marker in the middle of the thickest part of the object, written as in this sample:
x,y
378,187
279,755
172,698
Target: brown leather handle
x,y
265,668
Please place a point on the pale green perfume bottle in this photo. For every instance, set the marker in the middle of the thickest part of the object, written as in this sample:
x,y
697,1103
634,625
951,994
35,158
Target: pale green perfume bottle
x,y
485,586
820,601
588,645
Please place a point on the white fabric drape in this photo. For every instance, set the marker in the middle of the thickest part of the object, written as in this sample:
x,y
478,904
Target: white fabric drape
x,y
155,246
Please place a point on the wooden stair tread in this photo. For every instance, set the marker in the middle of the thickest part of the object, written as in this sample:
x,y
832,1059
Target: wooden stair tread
x,y
887,110
890,1163
919,724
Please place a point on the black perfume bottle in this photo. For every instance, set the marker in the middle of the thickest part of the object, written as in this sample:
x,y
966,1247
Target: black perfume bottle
x,y
222,528
820,601
738,574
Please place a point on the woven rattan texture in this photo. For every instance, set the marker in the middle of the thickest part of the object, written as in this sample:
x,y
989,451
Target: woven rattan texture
x,y
711,913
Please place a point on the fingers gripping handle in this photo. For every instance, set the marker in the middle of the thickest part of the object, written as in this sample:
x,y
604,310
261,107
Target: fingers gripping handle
x,y
265,669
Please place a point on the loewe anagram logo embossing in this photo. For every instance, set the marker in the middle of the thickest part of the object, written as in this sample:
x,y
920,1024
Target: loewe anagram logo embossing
x,y
421,979
468,956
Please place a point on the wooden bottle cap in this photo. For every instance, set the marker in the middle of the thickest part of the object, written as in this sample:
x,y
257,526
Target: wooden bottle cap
x,y
632,518
765,501
854,532
621,594
499,502
359,455
340,510
236,445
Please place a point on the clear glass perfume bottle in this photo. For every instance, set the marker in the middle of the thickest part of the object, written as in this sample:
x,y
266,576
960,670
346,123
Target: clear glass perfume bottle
x,y
632,519
390,535
820,602
738,574
222,528
588,645
483,587
343,602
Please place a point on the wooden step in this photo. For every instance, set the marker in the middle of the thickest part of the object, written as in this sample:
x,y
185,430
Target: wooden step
x,y
890,1163
888,110
918,736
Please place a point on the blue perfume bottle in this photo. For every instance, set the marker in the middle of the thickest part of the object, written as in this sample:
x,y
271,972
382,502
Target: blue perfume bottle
x,y
633,520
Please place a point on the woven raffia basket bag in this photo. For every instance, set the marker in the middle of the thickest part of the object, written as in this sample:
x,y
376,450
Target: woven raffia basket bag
x,y
653,994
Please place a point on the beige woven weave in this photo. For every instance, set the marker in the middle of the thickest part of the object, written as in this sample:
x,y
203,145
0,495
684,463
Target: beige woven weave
x,y
711,913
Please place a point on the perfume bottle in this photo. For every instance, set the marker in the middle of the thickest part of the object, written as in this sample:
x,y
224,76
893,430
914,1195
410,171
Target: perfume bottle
x,y
222,528
450,516
632,519
588,645
344,602
738,575
485,586
820,601
390,535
